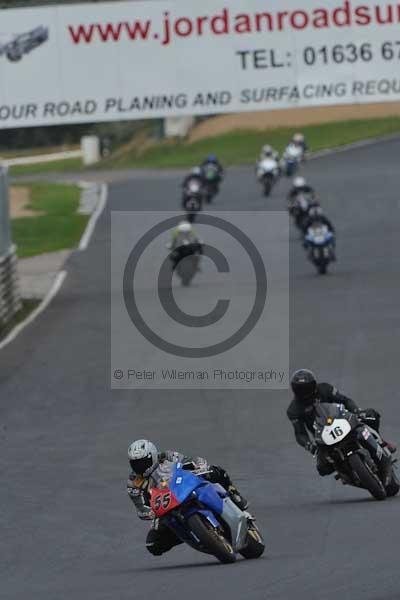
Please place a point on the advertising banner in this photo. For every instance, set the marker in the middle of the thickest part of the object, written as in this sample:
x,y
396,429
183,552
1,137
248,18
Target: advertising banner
x,y
135,60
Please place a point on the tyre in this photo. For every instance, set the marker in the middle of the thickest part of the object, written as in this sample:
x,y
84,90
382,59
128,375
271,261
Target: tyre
x,y
368,480
394,486
14,55
255,545
267,187
322,269
211,540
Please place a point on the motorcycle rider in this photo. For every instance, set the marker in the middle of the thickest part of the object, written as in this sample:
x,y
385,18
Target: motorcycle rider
x,y
316,217
182,237
300,141
195,174
300,186
301,413
213,160
268,151
144,459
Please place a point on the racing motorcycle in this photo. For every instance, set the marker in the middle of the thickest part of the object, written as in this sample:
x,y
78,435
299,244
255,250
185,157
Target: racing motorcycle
x,y
188,261
291,159
335,432
319,242
212,180
298,209
192,201
202,515
192,205
268,174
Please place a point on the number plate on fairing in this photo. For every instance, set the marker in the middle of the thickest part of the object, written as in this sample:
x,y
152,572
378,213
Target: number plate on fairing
x,y
332,434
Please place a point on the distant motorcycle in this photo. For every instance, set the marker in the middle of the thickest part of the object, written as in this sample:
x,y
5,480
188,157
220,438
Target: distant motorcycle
x,y
291,159
187,260
192,205
319,242
212,179
298,209
202,515
268,174
192,200
336,436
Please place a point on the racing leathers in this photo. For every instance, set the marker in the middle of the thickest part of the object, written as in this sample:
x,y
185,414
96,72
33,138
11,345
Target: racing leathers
x,y
160,538
319,220
184,244
304,189
215,163
302,417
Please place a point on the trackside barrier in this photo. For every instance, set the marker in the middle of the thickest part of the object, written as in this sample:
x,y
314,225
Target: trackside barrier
x,y
10,299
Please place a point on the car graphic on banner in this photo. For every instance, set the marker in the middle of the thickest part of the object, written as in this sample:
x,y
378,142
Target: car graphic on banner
x,y
24,43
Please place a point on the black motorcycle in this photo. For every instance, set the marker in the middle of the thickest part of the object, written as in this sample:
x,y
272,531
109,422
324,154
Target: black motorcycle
x,y
186,261
192,205
336,433
212,180
298,209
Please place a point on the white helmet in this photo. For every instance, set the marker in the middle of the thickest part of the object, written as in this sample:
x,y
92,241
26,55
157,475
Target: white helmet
x,y
143,457
184,227
298,138
267,150
299,182
196,171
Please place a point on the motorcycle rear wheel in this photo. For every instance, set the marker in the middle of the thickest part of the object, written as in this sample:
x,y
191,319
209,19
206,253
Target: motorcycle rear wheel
x,y
215,543
368,480
394,486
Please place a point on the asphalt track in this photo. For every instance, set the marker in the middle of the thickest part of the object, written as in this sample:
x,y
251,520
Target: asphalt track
x,y
67,528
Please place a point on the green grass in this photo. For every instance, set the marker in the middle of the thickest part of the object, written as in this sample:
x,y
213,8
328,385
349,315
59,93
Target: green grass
x,y
59,228
243,147
56,166
235,148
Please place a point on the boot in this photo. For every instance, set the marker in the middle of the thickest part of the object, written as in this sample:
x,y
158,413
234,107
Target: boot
x,y
237,498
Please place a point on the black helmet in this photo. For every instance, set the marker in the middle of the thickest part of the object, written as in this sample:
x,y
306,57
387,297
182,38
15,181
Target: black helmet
x,y
304,385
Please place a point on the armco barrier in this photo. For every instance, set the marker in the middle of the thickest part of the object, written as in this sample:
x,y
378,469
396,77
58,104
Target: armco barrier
x,y
10,300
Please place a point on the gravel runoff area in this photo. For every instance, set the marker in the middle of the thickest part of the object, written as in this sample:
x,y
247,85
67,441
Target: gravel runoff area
x,y
291,118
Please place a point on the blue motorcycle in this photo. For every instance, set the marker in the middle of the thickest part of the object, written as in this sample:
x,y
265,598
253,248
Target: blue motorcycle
x,y
202,515
320,243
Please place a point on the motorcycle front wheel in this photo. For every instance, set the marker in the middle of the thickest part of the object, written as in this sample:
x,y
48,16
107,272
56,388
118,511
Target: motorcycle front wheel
x,y
211,540
368,480
255,545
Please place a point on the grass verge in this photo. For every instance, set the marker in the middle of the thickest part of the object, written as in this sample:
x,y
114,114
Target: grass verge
x,y
235,148
243,147
56,166
28,306
57,227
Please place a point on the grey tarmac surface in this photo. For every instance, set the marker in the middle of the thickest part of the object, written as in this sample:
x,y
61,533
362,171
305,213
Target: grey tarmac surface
x,y
67,528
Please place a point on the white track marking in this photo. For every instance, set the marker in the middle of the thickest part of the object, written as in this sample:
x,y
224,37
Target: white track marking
x,y
41,158
85,239
55,288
